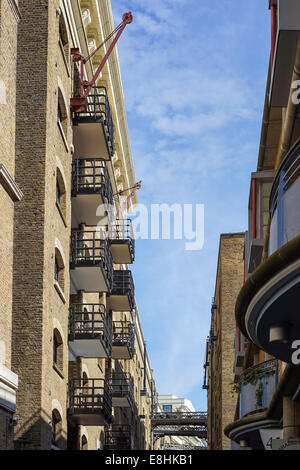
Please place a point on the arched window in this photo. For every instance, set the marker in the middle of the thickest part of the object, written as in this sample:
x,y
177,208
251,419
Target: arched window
x,y
85,379
57,349
56,428
59,269
63,36
84,443
62,114
60,193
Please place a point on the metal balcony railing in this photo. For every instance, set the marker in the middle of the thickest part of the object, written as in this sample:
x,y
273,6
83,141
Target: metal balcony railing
x,y
123,285
122,386
90,321
98,109
258,384
284,198
180,417
89,396
124,335
168,430
88,249
185,447
121,230
90,176
118,437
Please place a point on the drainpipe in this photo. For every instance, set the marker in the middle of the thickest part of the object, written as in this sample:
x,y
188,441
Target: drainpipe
x,y
253,208
145,352
273,8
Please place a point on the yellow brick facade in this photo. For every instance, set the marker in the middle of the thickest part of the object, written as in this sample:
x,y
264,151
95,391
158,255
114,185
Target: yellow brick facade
x,y
38,219
221,399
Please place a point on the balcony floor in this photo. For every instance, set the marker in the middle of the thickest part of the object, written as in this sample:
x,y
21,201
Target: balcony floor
x,y
122,402
89,278
90,140
119,303
84,209
121,251
88,418
121,352
89,348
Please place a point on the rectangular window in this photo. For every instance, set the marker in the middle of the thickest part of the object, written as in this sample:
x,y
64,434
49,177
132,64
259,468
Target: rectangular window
x,y
167,408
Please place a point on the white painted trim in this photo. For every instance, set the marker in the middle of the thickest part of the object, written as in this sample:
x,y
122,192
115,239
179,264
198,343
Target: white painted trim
x,y
57,406
8,377
15,9
84,368
57,326
60,249
8,387
9,184
61,169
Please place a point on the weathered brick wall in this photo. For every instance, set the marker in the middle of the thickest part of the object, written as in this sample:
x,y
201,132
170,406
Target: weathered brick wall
x,y
221,399
38,307
8,58
232,281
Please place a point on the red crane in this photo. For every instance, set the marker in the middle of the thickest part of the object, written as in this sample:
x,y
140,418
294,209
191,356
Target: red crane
x,y
79,104
132,190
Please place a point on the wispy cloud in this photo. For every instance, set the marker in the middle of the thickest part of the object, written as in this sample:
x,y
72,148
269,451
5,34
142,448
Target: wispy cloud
x,y
193,75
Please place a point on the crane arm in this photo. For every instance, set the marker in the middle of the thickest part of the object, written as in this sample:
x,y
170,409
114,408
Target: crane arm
x,y
79,104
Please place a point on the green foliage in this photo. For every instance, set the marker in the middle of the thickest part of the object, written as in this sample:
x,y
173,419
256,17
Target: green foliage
x,y
255,376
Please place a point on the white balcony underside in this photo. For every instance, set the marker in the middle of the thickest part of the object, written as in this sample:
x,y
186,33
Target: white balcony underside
x,y
121,253
89,348
121,402
89,141
119,303
120,352
89,279
84,209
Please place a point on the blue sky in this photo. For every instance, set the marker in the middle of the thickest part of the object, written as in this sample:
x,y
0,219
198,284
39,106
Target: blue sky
x,y
194,75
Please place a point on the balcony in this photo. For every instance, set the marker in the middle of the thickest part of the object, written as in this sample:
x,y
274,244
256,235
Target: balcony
x,y
118,437
93,131
254,424
90,402
288,28
121,297
121,240
91,188
122,390
90,331
256,394
91,267
123,340
267,307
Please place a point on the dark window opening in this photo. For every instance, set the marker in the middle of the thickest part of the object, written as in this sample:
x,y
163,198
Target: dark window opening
x,y
56,270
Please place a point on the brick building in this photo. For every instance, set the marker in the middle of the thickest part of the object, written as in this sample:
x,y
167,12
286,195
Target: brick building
x,y
266,323
74,370
221,401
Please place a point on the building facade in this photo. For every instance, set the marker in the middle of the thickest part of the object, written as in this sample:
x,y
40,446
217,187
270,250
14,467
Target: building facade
x,y
10,195
219,360
74,370
266,355
173,404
